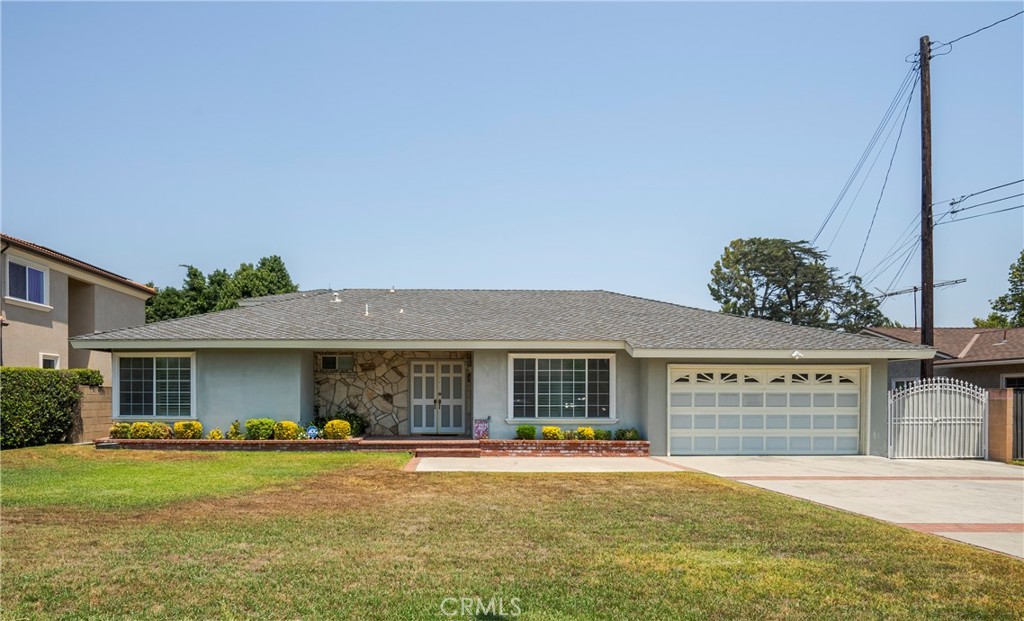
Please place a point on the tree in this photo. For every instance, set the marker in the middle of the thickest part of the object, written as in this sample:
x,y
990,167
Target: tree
x,y
1008,309
790,281
220,290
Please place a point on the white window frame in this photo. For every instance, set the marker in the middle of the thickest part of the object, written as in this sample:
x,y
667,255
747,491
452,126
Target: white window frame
x,y
116,372
17,260
54,357
1005,376
611,419
337,357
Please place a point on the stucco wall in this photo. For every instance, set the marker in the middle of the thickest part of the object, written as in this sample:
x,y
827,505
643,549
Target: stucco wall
x,y
31,331
988,376
241,384
490,396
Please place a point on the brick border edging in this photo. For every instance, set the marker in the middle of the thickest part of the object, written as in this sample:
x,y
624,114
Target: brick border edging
x,y
233,445
569,448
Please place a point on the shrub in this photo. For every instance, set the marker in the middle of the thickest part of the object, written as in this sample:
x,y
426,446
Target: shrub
x,y
215,434
552,433
568,434
627,434
585,433
188,430
356,422
37,406
337,430
87,377
235,431
140,431
119,431
259,428
602,434
286,430
526,432
160,431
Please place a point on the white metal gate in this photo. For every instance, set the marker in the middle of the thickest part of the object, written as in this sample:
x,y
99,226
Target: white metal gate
x,y
938,418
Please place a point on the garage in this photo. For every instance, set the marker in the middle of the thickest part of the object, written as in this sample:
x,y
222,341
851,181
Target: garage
x,y
748,410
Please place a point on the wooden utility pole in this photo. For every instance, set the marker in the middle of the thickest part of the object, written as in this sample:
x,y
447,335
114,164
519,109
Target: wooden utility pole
x,y
927,267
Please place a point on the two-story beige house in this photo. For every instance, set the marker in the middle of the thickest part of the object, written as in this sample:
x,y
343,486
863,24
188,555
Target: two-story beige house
x,y
49,297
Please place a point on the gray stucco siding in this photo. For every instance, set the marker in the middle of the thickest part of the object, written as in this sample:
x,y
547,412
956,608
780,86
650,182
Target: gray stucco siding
x,y
235,384
491,398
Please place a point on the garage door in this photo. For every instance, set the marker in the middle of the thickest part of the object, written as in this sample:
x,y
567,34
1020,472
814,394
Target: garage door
x,y
764,411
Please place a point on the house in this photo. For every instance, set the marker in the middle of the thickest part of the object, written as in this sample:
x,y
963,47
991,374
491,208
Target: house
x,y
431,361
49,297
985,357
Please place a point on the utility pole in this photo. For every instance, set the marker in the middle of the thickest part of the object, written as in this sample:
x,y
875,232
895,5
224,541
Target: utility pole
x,y
927,266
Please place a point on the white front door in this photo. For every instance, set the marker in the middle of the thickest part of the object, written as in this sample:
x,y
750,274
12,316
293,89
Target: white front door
x,y
438,397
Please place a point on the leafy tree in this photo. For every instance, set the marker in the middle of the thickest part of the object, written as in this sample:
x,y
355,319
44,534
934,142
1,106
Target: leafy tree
x,y
790,281
220,290
1008,309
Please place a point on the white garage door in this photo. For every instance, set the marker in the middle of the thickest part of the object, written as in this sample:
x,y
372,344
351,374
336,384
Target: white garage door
x,y
764,411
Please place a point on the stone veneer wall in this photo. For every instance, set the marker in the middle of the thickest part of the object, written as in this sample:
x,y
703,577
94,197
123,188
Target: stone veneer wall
x,y
378,388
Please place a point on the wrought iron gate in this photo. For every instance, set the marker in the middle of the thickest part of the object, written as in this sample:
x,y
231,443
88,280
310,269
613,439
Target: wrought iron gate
x,y
938,418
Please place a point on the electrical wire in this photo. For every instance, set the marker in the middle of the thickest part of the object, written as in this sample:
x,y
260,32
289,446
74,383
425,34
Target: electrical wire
x,y
885,182
960,199
981,215
971,34
957,210
908,79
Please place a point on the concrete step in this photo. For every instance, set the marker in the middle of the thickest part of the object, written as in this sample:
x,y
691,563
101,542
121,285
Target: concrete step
x,y
448,452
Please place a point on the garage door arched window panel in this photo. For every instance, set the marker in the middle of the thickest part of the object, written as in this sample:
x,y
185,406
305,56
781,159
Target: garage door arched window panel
x,y
795,411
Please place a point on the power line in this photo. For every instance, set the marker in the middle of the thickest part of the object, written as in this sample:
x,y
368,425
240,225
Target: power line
x,y
981,215
957,210
956,200
971,34
885,182
893,106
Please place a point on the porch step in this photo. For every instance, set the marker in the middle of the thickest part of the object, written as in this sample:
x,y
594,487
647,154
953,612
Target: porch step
x,y
447,452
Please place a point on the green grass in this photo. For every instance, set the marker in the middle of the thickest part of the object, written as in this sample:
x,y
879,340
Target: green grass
x,y
353,536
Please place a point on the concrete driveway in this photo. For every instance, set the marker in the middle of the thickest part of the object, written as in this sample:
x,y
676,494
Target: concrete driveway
x,y
977,502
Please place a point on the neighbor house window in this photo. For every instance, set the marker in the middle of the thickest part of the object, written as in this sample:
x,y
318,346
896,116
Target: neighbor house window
x,y
562,386
25,282
49,361
158,385
1013,381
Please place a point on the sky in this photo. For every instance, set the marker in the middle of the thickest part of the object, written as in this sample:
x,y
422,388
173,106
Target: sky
x,y
606,146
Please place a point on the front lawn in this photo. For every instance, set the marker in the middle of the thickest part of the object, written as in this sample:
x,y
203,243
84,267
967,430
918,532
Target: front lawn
x,y
279,535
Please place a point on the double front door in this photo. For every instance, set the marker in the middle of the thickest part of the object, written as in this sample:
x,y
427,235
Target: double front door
x,y
438,403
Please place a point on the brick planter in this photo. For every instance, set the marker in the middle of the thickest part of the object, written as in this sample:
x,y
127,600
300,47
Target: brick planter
x,y
232,445
567,448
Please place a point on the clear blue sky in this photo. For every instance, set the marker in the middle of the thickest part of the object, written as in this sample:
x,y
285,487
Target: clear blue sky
x,y
612,146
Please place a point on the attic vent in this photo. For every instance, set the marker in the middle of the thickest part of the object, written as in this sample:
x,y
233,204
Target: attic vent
x,y
336,298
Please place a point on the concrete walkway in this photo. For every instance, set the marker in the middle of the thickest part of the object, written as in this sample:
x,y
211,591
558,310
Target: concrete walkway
x,y
977,502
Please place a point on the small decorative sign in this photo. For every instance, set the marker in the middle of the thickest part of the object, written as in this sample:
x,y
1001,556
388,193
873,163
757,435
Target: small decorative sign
x,y
312,432
481,428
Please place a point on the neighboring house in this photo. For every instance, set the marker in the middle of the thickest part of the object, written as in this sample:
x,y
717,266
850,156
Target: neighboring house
x,y
985,357
49,297
430,361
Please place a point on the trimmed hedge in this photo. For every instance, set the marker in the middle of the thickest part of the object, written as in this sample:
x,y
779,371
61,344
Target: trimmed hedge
x,y
259,429
37,406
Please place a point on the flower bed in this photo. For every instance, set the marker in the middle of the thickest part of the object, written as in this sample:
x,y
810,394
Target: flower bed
x,y
569,448
230,445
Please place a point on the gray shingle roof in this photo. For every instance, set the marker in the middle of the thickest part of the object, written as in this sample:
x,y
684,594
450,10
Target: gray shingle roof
x,y
492,315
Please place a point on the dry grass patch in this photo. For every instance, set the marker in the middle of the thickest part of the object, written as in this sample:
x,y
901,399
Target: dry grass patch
x,y
364,540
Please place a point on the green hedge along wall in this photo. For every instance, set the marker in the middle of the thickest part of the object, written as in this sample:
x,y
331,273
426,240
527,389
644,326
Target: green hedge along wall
x,y
37,406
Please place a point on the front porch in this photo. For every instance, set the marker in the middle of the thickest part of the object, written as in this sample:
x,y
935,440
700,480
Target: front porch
x,y
414,394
